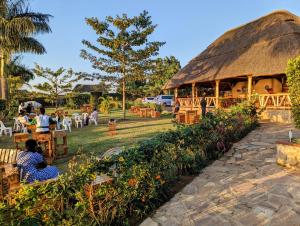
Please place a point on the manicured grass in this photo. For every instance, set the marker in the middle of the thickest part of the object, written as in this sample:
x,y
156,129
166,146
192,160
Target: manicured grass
x,y
96,139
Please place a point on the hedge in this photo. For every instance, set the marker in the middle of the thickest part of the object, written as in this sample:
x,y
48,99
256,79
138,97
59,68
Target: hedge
x,y
293,81
143,176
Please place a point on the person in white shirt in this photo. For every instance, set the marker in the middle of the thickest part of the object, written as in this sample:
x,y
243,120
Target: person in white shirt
x,y
94,115
21,108
23,118
42,122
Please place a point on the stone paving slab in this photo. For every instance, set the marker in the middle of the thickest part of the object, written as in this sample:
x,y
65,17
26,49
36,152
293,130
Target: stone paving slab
x,y
244,187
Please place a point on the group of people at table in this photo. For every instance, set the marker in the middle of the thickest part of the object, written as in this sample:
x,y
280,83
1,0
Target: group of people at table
x,y
27,117
30,161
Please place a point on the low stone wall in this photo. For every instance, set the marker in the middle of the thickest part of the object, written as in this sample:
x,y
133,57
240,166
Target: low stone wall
x,y
277,115
288,154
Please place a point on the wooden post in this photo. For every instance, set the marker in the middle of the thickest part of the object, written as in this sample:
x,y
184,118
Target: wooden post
x,y
217,92
193,95
175,93
249,87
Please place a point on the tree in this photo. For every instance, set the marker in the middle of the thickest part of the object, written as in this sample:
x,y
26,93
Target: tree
x,y
18,76
164,70
122,51
59,82
18,26
293,81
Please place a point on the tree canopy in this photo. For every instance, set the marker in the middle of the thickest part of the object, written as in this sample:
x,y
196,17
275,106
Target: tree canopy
x,y
18,26
164,70
122,49
58,82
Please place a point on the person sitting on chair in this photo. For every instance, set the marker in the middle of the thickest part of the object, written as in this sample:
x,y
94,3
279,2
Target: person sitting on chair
x,y
32,165
23,118
43,121
94,115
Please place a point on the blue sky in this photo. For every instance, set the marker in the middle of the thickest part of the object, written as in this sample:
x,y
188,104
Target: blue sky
x,y
187,27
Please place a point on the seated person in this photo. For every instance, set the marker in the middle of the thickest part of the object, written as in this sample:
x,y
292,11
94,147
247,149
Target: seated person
x,y
42,122
94,115
23,118
32,165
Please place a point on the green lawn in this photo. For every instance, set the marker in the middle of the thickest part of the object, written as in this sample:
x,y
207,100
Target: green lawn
x,y
97,140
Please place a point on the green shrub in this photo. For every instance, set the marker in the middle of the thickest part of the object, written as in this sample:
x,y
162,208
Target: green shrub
x,y
143,176
293,81
76,100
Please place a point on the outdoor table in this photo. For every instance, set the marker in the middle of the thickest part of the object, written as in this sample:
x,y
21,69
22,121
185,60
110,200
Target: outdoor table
x,y
143,112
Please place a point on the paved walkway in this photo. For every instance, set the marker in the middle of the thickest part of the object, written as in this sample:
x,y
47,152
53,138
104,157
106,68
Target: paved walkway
x,y
245,187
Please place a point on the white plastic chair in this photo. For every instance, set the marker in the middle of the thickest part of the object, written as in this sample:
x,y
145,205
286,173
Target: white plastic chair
x,y
93,120
78,121
74,115
5,130
67,124
16,126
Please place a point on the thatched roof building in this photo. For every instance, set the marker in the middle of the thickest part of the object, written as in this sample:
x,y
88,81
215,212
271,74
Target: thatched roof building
x,y
259,48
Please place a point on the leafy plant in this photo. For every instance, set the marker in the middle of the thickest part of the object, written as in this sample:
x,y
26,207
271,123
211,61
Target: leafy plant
x,y
19,26
293,81
142,176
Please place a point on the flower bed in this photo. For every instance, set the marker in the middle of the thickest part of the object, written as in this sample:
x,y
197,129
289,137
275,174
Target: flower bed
x,y
142,176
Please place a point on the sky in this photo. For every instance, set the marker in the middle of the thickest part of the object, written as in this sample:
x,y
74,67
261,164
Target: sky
x,y
187,27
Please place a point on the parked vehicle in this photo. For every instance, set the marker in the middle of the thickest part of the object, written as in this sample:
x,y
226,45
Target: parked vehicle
x,y
148,100
164,100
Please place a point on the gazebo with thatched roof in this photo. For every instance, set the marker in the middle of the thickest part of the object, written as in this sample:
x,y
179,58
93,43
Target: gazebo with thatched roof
x,y
248,59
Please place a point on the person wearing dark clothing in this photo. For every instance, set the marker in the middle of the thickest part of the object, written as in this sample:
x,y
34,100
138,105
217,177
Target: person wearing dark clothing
x,y
29,108
176,108
203,104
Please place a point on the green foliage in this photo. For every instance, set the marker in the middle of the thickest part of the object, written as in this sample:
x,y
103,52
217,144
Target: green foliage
x,y
107,104
58,82
293,81
19,26
123,50
76,100
143,176
163,71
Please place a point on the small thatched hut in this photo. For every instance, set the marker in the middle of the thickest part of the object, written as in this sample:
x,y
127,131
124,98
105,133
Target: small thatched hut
x,y
248,59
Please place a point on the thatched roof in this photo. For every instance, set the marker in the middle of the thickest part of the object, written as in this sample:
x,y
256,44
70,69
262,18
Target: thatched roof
x,y
258,48
82,88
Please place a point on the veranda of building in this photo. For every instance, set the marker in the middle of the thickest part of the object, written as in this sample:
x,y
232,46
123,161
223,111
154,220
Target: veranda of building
x,y
245,61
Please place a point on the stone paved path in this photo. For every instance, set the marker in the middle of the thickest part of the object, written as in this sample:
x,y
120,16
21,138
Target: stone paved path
x,y
245,187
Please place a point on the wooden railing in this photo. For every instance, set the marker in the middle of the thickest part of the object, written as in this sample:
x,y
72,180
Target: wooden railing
x,y
280,100
188,102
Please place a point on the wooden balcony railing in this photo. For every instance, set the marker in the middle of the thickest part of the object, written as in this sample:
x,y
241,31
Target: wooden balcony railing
x,y
188,102
279,100
276,101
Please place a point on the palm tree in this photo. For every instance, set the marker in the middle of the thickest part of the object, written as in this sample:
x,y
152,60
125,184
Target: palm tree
x,y
18,25
16,69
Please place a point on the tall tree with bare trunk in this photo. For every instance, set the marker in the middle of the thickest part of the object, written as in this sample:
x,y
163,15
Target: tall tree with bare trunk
x,y
18,26
123,50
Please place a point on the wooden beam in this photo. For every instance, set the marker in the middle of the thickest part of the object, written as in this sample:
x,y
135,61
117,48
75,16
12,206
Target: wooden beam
x,y
193,95
249,87
176,93
217,92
